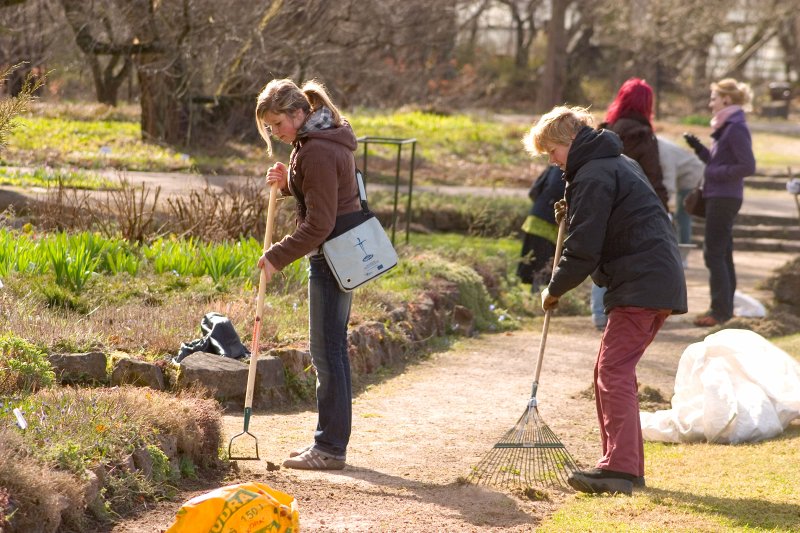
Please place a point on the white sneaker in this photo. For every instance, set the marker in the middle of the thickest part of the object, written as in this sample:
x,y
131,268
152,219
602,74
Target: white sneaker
x,y
300,451
312,460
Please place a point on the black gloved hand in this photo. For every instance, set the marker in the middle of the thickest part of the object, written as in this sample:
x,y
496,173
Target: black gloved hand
x,y
694,143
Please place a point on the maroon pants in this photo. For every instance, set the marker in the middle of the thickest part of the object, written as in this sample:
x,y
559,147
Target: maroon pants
x,y
629,331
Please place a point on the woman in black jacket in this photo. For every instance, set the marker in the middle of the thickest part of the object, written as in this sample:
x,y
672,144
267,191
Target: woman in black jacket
x,y
619,234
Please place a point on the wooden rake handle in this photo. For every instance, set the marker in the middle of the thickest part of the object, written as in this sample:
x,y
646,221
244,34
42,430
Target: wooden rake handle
x,y
546,326
262,290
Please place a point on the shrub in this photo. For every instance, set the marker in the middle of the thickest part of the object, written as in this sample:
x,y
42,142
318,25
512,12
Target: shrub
x,y
24,366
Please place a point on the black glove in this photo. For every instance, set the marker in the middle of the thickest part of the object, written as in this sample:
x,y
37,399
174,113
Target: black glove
x,y
694,142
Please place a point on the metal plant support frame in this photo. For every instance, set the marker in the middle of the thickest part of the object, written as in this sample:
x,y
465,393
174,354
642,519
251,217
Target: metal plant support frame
x,y
399,143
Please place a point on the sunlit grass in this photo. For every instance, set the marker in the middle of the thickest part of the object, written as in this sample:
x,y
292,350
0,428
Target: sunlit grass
x,y
776,151
473,148
789,344
89,144
508,246
50,177
461,136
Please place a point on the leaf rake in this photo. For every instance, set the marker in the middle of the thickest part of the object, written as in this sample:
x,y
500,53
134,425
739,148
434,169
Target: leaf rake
x,y
529,454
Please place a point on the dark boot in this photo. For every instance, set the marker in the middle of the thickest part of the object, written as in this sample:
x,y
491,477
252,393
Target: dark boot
x,y
598,481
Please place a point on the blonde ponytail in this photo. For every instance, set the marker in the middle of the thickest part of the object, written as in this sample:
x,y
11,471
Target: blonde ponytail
x,y
318,97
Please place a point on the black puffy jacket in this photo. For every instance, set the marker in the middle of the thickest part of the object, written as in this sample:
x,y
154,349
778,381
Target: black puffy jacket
x,y
618,232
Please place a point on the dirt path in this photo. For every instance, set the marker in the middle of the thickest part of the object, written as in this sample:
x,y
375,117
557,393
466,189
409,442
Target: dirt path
x,y
415,433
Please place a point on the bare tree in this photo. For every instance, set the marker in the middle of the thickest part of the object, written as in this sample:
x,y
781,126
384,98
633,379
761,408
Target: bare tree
x,y
24,43
106,36
523,17
553,79
789,37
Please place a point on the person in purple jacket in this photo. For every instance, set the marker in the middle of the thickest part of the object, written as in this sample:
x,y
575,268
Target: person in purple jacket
x,y
728,162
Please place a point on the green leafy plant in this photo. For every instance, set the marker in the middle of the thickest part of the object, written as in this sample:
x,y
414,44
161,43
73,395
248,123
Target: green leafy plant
x,y
219,262
118,257
174,255
72,262
58,297
26,366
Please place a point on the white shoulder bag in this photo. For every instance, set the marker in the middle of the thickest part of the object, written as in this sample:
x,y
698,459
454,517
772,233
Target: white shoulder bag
x,y
358,250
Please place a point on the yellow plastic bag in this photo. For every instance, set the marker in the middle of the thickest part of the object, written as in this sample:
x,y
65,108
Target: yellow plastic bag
x,y
244,508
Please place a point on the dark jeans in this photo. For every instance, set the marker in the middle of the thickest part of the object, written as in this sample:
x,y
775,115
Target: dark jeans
x,y
718,254
328,315
683,219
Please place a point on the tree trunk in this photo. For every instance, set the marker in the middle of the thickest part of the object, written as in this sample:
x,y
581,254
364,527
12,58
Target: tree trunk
x,y
551,85
164,110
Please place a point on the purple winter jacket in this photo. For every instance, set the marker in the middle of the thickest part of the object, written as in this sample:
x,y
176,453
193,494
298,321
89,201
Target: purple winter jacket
x,y
730,159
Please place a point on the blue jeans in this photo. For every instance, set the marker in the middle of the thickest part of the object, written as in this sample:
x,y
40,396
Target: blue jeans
x,y
599,317
683,219
718,254
328,315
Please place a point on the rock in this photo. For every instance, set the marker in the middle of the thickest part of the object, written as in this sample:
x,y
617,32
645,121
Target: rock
x,y
92,500
295,361
143,462
463,321
270,388
168,444
371,346
129,371
422,315
226,378
84,368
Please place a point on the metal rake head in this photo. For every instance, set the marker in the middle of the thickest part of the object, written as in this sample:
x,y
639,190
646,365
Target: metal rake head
x,y
528,455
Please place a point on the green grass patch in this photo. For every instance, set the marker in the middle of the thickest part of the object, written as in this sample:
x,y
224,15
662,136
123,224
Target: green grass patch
x,y
789,344
23,366
468,214
775,151
90,144
461,136
474,148
51,177
696,120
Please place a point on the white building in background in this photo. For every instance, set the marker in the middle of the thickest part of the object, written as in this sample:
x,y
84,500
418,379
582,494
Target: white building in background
x,y
767,62
496,34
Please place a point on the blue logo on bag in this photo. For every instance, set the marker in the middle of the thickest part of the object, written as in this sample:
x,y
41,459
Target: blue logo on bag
x,y
367,256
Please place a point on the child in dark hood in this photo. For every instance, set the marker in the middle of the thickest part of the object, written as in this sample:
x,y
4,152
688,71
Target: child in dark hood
x,y
619,234
540,230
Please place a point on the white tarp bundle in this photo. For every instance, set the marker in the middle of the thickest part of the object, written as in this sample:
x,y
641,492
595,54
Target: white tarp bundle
x,y
747,306
735,386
